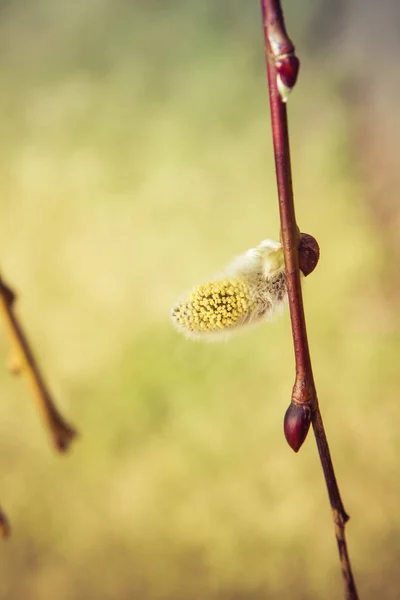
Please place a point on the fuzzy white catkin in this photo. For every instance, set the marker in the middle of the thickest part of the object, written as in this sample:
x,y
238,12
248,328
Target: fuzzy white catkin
x,y
251,289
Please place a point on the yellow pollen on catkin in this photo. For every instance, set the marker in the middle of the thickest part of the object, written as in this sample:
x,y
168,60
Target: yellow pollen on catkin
x,y
214,306
251,289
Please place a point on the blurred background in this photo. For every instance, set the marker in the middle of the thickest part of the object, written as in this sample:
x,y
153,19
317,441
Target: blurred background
x,y
135,162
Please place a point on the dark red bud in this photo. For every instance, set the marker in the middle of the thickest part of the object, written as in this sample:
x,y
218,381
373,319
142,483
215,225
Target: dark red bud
x,y
288,69
296,424
308,253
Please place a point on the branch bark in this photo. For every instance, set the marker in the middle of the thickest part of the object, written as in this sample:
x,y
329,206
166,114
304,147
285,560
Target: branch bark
x,y
24,362
282,67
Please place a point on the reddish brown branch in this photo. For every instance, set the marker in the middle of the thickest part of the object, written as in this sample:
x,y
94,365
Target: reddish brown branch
x,y
304,405
24,362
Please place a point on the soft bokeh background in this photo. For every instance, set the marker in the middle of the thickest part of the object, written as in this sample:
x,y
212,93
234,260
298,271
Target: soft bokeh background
x,y
136,161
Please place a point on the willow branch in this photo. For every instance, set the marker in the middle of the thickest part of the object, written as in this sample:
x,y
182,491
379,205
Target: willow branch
x,y
282,67
24,362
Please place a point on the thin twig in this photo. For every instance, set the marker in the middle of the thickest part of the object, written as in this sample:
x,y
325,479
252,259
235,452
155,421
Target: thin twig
x,y
279,55
25,363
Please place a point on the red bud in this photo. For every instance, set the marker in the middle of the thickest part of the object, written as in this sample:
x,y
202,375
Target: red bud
x,y
308,254
288,69
296,424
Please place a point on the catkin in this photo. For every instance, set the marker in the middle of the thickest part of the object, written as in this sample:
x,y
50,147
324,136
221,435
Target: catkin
x,y
253,291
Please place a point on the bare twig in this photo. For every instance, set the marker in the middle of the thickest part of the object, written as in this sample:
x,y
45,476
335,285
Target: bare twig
x,y
282,67
24,362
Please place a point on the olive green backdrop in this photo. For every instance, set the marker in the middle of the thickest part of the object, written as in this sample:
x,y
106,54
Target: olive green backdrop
x,y
135,161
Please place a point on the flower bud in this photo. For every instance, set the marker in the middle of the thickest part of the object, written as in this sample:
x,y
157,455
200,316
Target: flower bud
x,y
296,424
287,69
308,253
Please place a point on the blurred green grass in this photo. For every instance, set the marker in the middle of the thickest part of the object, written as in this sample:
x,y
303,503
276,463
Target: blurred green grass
x,y
135,162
